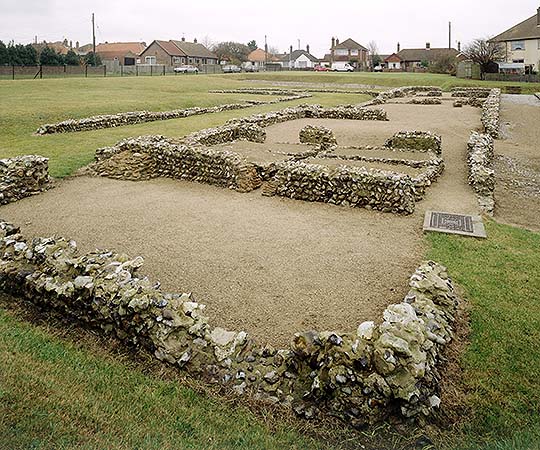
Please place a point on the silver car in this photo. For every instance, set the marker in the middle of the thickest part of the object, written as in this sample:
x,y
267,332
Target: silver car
x,y
186,69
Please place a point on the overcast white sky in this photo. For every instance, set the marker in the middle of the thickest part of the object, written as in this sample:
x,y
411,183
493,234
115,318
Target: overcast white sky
x,y
314,22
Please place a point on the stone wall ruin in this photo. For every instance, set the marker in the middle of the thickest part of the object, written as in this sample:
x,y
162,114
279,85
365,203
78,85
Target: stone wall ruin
x,y
388,367
23,176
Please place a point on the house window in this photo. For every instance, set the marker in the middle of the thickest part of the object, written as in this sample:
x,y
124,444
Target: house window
x,y
342,52
354,52
150,60
177,60
518,61
518,45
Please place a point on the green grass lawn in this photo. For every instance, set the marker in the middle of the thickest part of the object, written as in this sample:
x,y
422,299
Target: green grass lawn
x,y
55,393
27,104
385,79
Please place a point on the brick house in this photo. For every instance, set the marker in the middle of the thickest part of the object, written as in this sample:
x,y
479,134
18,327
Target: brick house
x,y
414,59
176,53
126,53
348,51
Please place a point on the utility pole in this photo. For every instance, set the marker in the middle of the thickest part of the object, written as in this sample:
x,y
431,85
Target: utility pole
x,y
449,34
94,39
265,52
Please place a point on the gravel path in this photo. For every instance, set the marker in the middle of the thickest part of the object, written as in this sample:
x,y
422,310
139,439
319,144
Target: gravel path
x,y
517,166
270,266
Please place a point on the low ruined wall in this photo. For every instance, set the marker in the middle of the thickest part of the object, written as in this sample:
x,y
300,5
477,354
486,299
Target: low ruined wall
x,y
348,112
416,140
345,186
149,157
491,113
405,91
478,92
425,101
135,117
23,176
388,367
481,175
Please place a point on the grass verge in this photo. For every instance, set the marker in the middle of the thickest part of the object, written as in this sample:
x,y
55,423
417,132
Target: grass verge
x,y
502,364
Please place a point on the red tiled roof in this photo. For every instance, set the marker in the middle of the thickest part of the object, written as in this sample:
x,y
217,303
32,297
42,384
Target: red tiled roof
x,y
119,49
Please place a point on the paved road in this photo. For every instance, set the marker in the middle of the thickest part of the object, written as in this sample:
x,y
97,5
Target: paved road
x,y
519,99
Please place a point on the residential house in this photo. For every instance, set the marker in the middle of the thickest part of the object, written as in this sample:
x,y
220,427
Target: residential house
x,y
123,53
258,58
299,59
416,59
522,43
176,53
348,51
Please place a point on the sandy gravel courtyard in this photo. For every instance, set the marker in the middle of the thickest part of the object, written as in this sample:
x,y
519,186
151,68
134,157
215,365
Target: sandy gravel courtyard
x,y
270,266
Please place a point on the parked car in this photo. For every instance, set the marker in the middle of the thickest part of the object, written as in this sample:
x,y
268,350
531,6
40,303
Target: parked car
x,y
186,69
378,68
342,67
231,68
248,67
321,69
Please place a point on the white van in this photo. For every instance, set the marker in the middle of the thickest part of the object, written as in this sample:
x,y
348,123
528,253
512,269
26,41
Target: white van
x,y
342,67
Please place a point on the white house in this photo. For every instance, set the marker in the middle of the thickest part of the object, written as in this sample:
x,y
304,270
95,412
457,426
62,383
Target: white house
x,y
299,59
522,43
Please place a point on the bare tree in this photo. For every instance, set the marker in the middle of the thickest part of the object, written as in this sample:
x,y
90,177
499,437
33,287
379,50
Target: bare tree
x,y
374,53
273,50
484,52
208,42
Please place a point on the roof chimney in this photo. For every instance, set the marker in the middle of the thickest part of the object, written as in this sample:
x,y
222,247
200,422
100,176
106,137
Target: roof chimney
x,y
307,48
195,40
337,41
459,46
398,47
333,42
183,39
291,49
428,45
77,44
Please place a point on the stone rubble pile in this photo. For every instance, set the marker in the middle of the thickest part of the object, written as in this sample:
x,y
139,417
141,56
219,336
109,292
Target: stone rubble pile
x,y
23,176
416,140
135,117
491,113
386,368
481,175
317,135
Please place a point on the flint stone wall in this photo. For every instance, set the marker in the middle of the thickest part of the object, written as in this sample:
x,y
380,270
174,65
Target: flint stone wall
x,y
416,140
317,135
478,92
346,112
433,167
135,117
425,101
345,186
405,91
23,176
491,113
149,157
481,175
390,367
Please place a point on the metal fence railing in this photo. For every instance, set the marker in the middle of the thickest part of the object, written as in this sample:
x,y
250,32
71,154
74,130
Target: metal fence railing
x,y
41,71
517,78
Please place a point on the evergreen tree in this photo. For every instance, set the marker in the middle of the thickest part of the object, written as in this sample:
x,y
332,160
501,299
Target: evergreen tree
x,y
91,59
4,57
49,57
72,59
